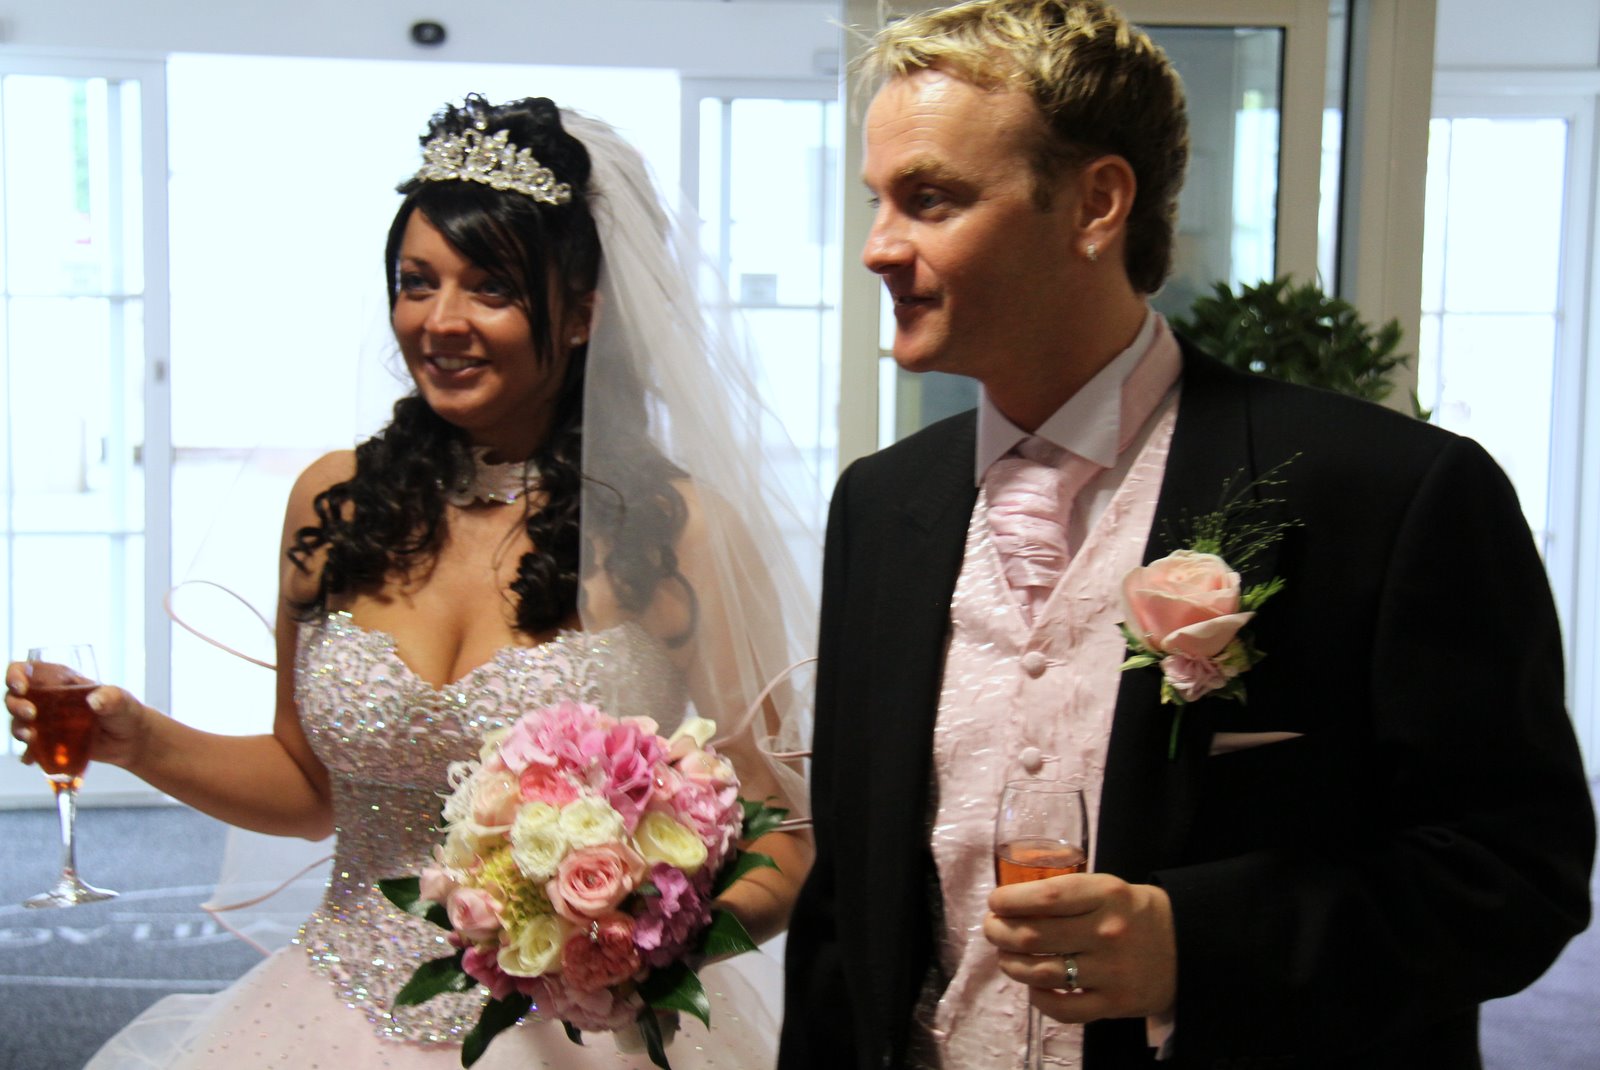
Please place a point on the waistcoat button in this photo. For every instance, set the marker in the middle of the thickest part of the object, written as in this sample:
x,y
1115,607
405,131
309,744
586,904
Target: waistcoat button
x,y
1034,663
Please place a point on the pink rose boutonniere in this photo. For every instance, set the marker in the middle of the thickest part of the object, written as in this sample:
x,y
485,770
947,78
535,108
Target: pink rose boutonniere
x,y
1187,613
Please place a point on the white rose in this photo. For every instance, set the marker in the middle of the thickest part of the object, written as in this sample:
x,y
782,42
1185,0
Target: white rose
x,y
491,743
698,729
460,848
590,821
537,841
661,839
534,947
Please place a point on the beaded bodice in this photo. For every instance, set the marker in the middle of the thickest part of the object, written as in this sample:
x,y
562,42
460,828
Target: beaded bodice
x,y
387,737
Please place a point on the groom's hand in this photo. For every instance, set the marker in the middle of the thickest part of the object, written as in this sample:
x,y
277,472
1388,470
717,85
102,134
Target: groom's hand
x,y
1119,936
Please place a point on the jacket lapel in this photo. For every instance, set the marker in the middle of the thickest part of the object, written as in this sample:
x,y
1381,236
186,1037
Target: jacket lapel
x,y
1147,799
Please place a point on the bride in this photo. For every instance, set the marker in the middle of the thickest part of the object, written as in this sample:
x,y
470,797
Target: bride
x,y
570,504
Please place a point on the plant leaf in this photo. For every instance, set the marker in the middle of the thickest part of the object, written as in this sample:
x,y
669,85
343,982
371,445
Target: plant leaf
x,y
498,1015
676,988
726,935
574,1034
435,978
406,893
650,1028
760,819
743,862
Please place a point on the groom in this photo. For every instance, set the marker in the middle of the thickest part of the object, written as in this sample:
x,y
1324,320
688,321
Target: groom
x,y
1394,827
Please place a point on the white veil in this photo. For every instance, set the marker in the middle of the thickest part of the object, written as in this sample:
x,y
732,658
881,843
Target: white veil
x,y
652,339
757,506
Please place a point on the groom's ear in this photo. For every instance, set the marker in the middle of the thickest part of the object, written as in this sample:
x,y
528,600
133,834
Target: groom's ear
x,y
1105,188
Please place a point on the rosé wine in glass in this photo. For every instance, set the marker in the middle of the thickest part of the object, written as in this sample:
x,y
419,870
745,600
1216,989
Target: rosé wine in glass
x,y
59,683
1041,831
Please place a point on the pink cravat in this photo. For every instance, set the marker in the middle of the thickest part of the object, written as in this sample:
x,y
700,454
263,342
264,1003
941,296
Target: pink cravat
x,y
1031,492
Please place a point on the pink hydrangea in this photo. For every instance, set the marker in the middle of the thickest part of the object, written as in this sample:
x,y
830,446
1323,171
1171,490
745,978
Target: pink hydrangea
x,y
629,760
670,920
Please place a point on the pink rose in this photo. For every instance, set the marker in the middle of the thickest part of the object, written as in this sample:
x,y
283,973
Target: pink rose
x,y
592,881
495,799
711,810
600,1011
1194,678
474,914
541,783
436,884
1186,603
600,955
707,766
481,966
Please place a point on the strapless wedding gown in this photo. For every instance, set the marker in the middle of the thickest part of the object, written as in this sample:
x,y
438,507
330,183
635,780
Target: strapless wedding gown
x,y
387,737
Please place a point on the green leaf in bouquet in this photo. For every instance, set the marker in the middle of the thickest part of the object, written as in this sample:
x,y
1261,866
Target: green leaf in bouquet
x,y
648,890
743,862
725,936
574,1034
406,893
435,978
676,988
654,1043
760,819
498,1016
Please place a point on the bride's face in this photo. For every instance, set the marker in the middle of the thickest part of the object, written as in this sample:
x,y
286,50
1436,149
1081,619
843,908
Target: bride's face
x,y
469,346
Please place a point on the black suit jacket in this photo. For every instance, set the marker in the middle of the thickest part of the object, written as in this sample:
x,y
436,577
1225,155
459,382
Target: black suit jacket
x,y
1346,898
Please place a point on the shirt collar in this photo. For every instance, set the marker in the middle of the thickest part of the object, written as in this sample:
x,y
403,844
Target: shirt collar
x,y
1089,424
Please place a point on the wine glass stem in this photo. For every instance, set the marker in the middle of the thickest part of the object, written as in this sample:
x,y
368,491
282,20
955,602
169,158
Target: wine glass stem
x,y
67,812
1035,1056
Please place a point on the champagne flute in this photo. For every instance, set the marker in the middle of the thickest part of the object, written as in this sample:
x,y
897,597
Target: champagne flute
x,y
1042,830
59,685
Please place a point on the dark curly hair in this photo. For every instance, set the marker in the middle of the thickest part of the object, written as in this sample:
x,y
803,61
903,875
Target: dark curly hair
x,y
389,517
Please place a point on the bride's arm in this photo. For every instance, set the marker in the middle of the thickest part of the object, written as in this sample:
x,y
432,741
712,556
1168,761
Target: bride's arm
x,y
728,660
268,783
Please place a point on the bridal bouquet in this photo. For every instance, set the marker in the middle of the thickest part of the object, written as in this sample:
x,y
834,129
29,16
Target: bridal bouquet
x,y
580,858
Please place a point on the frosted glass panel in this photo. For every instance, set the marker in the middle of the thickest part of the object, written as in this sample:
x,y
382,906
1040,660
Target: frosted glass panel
x,y
1504,241
1495,376
1491,291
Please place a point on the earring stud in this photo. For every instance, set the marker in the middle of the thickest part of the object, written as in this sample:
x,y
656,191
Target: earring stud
x,y
1092,251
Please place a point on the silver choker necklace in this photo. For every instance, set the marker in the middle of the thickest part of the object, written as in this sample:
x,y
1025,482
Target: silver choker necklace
x,y
491,482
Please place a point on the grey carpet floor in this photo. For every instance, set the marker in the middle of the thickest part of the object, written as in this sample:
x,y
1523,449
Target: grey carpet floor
x,y
70,978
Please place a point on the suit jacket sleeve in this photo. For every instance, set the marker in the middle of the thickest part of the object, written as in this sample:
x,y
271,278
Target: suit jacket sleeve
x,y
818,1022
1454,861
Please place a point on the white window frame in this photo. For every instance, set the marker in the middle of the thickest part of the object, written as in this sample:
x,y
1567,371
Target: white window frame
x,y
21,786
1572,545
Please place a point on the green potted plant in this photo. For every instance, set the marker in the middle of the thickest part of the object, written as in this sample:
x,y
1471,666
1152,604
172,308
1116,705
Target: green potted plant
x,y
1298,334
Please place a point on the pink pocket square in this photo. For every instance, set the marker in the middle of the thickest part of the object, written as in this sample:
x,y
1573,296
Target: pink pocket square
x,y
1228,742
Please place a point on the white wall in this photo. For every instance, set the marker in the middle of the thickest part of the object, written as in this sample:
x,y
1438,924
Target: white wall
x,y
1530,33
768,39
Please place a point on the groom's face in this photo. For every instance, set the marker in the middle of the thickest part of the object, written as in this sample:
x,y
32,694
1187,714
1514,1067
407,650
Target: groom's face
x,y
976,269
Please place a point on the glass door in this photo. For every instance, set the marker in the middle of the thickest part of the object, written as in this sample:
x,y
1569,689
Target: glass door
x,y
80,360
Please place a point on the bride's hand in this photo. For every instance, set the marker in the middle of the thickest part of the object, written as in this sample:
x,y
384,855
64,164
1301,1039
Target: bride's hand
x,y
120,719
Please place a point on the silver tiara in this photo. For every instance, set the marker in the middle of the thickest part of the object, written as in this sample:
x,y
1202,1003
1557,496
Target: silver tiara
x,y
494,161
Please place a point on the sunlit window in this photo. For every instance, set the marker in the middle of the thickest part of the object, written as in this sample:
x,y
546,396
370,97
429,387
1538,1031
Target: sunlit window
x,y
1490,298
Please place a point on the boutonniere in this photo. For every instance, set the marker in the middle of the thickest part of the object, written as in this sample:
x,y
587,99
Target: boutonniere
x,y
1189,612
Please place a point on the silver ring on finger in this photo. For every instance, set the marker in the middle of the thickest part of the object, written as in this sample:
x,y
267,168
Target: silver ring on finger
x,y
1070,966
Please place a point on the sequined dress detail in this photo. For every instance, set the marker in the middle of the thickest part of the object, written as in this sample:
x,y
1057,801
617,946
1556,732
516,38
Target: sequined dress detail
x,y
387,738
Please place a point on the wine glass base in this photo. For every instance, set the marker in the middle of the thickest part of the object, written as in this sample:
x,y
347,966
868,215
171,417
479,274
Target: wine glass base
x,y
69,894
